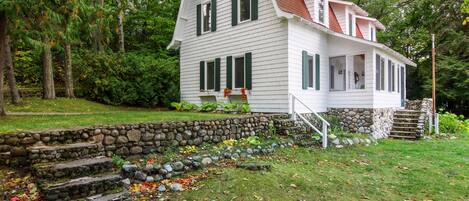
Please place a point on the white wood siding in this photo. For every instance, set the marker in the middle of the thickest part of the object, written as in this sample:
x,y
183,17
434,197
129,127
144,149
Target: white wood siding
x,y
386,99
266,38
355,98
303,37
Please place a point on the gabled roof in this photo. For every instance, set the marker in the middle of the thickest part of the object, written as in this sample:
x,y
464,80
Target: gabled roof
x,y
297,7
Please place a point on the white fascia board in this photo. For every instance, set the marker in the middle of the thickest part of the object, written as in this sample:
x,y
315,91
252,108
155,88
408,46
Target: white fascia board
x,y
178,30
376,22
354,6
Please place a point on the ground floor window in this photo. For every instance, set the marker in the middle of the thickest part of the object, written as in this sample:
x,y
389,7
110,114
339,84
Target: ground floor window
x,y
239,72
337,73
380,72
210,77
357,72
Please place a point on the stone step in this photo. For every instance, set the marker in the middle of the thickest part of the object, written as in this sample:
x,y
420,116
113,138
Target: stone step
x,y
45,154
405,124
120,196
404,133
72,169
81,187
405,115
409,111
406,120
397,128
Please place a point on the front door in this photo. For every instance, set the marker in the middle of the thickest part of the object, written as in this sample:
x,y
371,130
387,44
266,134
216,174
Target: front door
x,y
402,87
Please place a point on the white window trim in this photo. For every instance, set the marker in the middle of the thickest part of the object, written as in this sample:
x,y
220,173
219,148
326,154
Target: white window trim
x,y
349,68
326,11
233,71
239,13
202,16
383,88
353,20
372,29
206,76
346,77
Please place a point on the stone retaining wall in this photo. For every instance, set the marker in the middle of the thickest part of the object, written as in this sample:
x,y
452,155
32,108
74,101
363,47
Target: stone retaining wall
x,y
426,107
375,121
135,139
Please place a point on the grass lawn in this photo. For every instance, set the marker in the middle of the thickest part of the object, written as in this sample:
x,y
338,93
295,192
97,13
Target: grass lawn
x,y
104,114
392,170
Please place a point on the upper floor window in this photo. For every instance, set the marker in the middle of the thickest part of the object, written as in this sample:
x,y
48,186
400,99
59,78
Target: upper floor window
x,y
321,12
245,10
350,24
372,34
206,17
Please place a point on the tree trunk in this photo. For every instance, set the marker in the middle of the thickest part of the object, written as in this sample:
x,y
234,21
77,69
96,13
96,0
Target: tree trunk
x,y
48,76
3,33
15,95
98,34
121,27
68,71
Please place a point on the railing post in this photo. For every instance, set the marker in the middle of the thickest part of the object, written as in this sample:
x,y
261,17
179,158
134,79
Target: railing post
x,y
293,107
324,135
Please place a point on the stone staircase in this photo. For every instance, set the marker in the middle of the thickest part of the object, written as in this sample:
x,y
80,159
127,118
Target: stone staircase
x,y
77,171
408,124
301,134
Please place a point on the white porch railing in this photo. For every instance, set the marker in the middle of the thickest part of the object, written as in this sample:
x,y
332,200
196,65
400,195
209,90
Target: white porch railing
x,y
325,124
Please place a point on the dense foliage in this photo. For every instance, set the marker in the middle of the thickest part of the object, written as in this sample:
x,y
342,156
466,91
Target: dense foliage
x,y
409,28
453,124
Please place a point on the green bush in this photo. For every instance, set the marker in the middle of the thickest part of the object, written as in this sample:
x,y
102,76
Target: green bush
x,y
136,78
450,123
209,107
184,106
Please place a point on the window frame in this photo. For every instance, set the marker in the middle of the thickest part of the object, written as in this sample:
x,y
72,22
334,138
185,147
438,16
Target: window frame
x,y
393,77
311,71
206,81
321,3
239,12
233,76
352,70
203,5
351,24
382,75
332,75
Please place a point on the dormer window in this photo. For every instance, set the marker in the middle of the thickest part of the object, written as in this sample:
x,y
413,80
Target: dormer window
x,y
372,34
321,12
350,24
206,18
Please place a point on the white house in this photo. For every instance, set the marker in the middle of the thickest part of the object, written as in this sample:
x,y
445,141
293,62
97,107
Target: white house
x,y
324,52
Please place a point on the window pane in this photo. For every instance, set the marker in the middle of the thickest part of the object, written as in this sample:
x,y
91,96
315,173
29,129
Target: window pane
x,y
383,63
321,11
393,70
210,76
350,24
206,17
357,77
245,6
311,71
337,70
239,72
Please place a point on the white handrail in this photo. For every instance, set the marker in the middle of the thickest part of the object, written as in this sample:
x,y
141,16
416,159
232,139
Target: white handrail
x,y
307,107
325,124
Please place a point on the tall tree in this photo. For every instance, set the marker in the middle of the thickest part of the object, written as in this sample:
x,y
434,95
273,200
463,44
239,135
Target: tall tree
x,y
120,24
48,73
14,93
3,34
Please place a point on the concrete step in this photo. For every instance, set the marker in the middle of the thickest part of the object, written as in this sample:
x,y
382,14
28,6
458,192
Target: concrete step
x,y
120,196
72,169
45,154
80,187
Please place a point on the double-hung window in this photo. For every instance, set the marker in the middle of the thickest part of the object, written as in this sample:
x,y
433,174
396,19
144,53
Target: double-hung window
x,y
393,77
311,71
244,10
321,11
210,75
239,72
207,17
380,72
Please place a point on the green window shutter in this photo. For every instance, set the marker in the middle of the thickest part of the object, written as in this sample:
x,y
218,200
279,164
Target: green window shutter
x,y
199,20
318,72
254,9
202,75
229,72
217,74
234,12
305,70
214,15
248,60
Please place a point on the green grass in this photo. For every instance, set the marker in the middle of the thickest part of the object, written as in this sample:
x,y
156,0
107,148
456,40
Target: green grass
x,y
102,115
393,170
64,105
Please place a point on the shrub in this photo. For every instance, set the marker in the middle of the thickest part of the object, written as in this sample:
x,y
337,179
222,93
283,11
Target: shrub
x,y
184,106
450,123
230,107
119,161
209,107
135,78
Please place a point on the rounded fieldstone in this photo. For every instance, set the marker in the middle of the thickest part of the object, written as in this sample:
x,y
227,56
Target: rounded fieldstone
x,y
109,140
134,135
136,150
206,161
122,140
178,166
